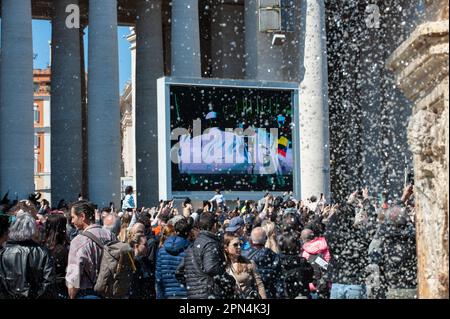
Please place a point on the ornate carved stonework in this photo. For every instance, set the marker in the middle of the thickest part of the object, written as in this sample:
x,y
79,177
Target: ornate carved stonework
x,y
421,68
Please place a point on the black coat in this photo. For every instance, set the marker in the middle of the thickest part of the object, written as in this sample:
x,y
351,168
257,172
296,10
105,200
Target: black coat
x,y
396,255
348,246
26,271
203,269
148,268
60,256
269,268
142,285
296,274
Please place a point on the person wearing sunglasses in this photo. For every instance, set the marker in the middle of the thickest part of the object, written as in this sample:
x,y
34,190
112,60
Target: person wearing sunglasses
x,y
248,281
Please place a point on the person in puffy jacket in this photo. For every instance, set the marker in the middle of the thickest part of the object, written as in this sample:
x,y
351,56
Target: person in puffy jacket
x,y
169,257
315,250
26,268
203,268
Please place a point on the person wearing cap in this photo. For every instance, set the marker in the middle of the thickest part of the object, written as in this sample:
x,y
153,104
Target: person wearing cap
x,y
237,226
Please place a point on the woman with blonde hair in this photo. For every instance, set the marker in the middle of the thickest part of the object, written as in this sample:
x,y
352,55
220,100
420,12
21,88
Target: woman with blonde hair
x,y
248,281
270,229
125,221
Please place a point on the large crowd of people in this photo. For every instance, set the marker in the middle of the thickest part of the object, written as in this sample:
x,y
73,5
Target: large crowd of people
x,y
276,247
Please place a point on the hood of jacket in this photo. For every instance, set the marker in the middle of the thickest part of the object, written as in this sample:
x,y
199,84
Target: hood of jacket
x,y
175,245
315,246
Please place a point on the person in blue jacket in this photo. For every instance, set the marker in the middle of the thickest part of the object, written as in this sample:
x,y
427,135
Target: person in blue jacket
x,y
169,257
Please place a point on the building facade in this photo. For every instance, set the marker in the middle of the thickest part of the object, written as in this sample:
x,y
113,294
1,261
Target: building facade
x,y
127,132
42,141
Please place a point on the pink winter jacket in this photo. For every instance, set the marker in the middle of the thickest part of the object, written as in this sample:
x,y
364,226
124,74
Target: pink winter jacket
x,y
316,246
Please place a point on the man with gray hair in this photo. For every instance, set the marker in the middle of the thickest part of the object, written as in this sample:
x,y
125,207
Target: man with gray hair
x,y
110,222
27,265
266,260
258,236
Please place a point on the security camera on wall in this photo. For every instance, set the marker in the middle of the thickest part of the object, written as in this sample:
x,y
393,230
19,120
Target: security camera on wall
x,y
278,39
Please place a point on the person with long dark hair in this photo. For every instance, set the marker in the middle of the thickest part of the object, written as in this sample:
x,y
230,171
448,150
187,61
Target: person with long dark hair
x,y
57,242
248,281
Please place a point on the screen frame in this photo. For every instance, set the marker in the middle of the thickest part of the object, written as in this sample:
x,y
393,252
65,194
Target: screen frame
x,y
164,135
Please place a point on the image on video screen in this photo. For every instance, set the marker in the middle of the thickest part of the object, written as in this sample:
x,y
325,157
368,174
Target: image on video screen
x,y
232,138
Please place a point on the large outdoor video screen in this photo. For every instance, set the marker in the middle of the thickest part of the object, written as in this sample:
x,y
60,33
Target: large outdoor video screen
x,y
231,138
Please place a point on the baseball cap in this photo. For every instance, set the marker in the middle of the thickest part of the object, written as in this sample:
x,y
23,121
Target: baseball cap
x,y
235,224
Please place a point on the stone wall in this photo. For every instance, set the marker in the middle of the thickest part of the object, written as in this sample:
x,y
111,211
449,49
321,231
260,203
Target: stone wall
x,y
421,67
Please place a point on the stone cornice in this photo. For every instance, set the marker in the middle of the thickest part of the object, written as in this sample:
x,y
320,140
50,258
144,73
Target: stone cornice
x,y
421,62
438,94
424,35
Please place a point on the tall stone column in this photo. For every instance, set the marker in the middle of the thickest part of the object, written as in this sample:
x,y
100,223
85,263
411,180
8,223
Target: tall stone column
x,y
186,59
314,135
103,104
16,104
84,111
149,67
263,61
227,39
66,123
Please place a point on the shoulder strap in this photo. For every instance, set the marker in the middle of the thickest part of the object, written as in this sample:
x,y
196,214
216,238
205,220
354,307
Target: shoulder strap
x,y
94,238
252,254
97,241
